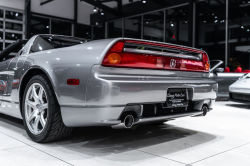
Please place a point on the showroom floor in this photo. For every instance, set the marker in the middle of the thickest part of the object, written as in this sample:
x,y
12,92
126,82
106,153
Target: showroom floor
x,y
220,138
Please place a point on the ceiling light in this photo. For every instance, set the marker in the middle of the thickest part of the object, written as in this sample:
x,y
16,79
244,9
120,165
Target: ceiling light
x,y
215,21
94,10
102,13
247,30
172,25
16,14
242,27
144,1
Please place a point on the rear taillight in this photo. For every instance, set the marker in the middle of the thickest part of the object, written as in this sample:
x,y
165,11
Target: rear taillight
x,y
141,58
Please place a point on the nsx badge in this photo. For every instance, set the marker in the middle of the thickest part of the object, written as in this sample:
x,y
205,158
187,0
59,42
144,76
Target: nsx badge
x,y
172,63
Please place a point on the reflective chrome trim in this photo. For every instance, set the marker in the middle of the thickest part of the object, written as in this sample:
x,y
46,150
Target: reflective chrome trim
x,y
160,53
159,118
91,106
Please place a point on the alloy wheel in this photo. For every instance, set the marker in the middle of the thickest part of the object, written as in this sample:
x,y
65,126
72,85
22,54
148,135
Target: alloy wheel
x,y
36,108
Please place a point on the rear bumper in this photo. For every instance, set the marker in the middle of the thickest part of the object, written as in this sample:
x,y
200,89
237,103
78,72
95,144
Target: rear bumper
x,y
110,93
111,115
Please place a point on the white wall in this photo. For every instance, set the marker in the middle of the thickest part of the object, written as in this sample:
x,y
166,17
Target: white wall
x,y
14,4
84,11
58,8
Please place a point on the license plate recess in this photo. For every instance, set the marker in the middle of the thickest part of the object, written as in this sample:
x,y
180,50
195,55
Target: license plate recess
x,y
177,97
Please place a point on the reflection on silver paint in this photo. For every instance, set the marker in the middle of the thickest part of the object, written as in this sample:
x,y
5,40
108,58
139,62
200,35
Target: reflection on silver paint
x,y
103,92
224,80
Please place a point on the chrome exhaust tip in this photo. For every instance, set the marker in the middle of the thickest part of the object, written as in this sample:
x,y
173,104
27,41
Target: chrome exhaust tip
x,y
204,110
128,121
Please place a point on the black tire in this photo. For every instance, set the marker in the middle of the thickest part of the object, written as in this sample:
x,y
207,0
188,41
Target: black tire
x,y
54,128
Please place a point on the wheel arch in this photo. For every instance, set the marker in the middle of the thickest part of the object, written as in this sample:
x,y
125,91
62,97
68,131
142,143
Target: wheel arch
x,y
36,70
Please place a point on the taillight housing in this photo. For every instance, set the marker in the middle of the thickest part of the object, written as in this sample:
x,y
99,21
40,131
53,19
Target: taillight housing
x,y
117,56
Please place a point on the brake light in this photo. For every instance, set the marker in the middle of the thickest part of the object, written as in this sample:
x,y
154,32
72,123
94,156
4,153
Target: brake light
x,y
117,57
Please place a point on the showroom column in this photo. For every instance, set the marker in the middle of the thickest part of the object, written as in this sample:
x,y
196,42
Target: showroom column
x,y
27,19
75,17
190,22
226,38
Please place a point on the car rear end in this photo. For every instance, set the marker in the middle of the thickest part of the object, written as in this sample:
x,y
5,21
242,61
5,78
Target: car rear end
x,y
139,81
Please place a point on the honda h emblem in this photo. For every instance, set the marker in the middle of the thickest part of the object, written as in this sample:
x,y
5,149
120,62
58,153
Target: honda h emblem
x,y
172,63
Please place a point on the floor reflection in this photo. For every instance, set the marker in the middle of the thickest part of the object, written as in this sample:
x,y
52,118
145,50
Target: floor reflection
x,y
103,141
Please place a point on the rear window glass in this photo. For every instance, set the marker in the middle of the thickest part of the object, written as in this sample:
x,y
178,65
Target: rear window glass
x,y
48,42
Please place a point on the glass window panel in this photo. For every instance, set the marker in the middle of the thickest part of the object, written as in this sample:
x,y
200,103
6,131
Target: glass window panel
x,y
61,27
13,15
115,29
133,27
39,25
13,36
177,25
7,44
210,28
13,26
99,32
239,35
154,26
1,46
1,13
1,24
1,35
84,31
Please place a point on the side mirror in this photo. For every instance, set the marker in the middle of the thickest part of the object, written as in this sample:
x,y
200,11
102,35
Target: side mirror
x,y
219,70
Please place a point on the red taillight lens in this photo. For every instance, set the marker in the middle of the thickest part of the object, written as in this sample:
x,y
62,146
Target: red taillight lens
x,y
206,63
118,47
73,81
116,57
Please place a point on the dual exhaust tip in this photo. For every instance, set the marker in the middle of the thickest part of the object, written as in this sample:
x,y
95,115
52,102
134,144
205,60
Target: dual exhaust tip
x,y
128,121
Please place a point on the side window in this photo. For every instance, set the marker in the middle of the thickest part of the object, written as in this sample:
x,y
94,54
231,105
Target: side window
x,y
40,45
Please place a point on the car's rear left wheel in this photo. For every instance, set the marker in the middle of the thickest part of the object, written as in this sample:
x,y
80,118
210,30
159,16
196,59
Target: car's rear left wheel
x,y
41,111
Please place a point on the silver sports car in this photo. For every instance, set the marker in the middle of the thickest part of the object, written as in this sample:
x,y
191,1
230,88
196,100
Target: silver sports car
x,y
56,82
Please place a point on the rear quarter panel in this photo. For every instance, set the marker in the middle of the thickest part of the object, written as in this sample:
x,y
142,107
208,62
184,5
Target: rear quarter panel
x,y
65,63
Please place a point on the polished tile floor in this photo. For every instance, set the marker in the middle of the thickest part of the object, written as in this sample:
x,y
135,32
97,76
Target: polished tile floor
x,y
220,138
